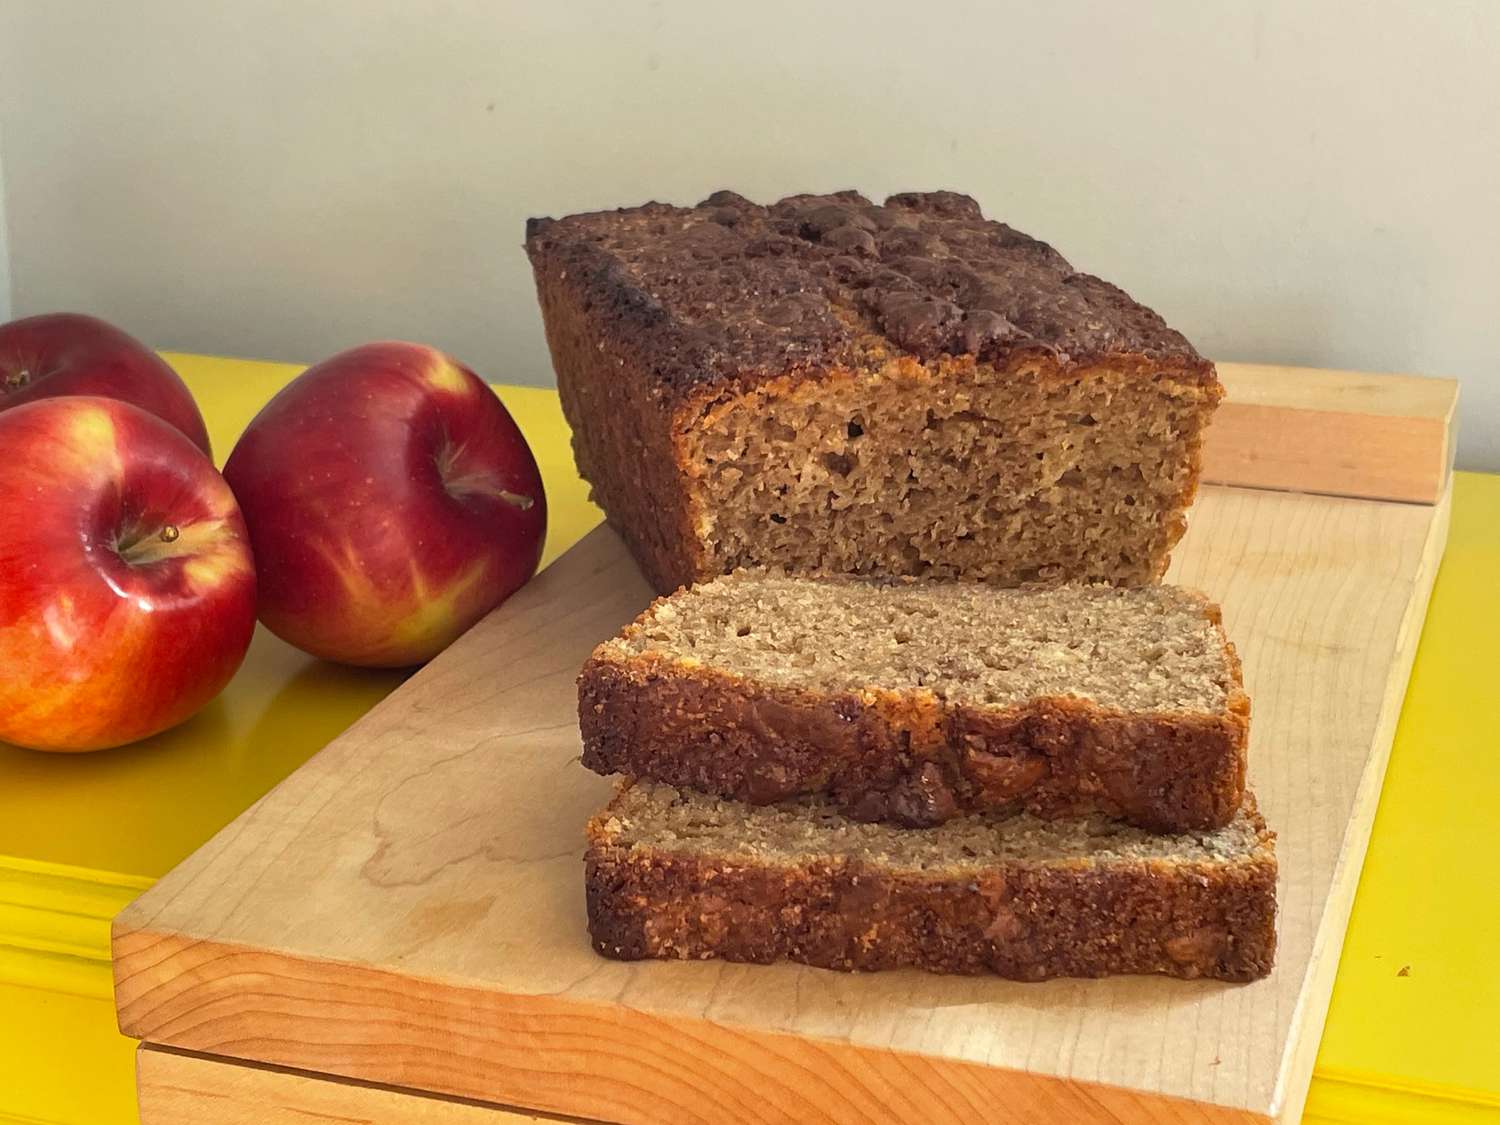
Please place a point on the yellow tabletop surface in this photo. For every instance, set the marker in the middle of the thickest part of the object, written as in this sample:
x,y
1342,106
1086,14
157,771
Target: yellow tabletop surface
x,y
1411,1034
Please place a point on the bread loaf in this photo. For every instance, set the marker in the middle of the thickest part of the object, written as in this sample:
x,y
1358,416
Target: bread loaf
x,y
839,387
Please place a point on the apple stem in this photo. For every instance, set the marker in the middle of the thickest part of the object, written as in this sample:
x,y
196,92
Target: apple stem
x,y
141,547
480,484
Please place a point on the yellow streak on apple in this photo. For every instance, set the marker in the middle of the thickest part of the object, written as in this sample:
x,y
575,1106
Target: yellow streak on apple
x,y
434,614
90,443
446,376
214,557
68,708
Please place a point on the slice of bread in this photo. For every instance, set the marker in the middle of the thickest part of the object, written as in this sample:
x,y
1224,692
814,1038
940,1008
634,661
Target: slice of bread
x,y
678,875
910,702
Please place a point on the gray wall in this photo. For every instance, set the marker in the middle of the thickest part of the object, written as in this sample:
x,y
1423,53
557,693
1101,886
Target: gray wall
x,y
4,244
1300,182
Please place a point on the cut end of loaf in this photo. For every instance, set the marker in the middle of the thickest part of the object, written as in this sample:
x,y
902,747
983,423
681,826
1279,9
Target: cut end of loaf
x,y
951,470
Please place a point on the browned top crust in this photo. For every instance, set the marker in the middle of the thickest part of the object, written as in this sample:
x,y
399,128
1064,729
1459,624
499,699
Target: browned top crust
x,y
731,290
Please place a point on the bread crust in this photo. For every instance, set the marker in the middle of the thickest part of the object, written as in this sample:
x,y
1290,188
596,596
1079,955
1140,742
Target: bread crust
x,y
624,428
1026,920
909,757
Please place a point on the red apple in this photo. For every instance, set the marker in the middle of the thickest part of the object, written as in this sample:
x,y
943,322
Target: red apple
x,y
70,354
127,591
391,502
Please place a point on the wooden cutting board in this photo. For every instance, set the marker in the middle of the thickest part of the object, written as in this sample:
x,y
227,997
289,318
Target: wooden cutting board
x,y
407,909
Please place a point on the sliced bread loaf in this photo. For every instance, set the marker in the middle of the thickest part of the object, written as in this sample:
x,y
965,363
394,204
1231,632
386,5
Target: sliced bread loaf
x,y
679,875
836,386
911,702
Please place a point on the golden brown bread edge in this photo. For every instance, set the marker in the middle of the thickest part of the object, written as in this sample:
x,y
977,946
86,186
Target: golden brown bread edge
x,y
629,425
908,757
1024,920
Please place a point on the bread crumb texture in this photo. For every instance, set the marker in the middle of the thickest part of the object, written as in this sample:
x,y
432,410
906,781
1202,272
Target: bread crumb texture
x,y
661,818
1151,649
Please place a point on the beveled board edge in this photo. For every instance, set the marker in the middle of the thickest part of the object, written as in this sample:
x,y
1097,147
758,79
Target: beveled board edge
x,y
1317,985
582,1059
1338,433
177,1086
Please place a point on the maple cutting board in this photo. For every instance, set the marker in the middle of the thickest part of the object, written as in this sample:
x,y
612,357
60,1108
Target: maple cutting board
x,y
407,909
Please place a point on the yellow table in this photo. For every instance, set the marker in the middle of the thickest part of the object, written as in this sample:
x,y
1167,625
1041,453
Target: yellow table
x,y
1410,1034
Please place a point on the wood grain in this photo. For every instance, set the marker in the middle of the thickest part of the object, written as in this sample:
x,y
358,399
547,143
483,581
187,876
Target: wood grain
x,y
176,1087
407,908
1343,433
